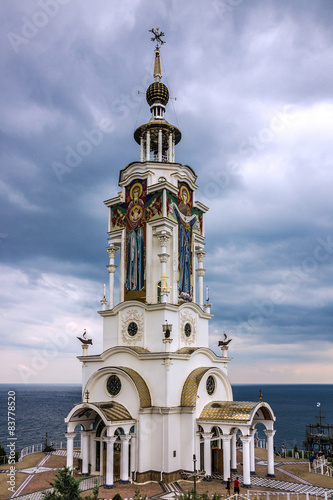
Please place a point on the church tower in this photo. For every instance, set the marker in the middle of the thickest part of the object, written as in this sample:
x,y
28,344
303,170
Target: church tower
x,y
158,395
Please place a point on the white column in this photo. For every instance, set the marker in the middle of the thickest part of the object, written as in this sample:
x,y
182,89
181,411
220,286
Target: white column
x,y
246,461
124,458
170,148
112,250
148,146
226,457
141,149
270,452
133,454
160,145
164,257
92,454
200,273
109,460
84,451
207,453
173,151
122,270
233,453
252,460
70,448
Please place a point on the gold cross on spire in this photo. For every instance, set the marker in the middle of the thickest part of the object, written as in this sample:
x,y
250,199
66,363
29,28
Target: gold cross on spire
x,y
157,36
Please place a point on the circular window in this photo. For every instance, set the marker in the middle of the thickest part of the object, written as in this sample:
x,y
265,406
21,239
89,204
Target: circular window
x,y
210,385
113,385
188,329
132,329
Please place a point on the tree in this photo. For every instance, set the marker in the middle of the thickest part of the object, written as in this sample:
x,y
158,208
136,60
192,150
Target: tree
x,y
95,496
66,487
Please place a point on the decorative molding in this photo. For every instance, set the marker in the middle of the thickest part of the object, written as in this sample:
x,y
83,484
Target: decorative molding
x,y
200,272
167,363
126,319
164,257
186,317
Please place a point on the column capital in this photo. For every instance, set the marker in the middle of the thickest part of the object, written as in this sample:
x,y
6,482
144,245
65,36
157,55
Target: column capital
x,y
112,250
226,437
207,435
246,439
270,433
70,435
163,238
110,439
125,437
200,272
252,432
200,255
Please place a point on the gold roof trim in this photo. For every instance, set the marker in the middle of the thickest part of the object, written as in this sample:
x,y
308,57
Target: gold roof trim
x,y
190,387
141,386
240,411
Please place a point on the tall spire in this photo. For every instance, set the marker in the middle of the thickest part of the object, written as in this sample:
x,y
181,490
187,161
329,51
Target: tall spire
x,y
157,63
157,138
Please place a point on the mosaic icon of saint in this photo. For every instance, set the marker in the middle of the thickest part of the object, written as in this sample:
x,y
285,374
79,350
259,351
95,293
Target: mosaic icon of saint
x,y
135,252
185,223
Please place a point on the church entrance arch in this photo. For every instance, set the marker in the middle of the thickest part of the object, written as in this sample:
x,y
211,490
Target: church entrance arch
x,y
216,451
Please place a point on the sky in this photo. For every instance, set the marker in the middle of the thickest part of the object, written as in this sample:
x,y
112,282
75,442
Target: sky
x,y
252,88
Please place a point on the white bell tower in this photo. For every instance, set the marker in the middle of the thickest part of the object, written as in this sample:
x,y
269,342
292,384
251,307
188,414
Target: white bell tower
x,y
157,394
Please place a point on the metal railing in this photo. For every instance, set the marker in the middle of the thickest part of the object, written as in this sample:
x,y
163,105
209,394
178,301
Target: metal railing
x,y
36,448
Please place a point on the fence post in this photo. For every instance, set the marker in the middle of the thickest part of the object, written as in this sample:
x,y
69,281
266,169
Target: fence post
x,y
325,495
307,495
288,496
267,495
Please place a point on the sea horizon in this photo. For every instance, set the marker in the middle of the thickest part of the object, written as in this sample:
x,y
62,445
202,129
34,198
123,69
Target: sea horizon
x,y
41,408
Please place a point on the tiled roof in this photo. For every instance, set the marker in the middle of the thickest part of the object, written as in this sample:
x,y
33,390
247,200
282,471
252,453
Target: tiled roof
x,y
114,411
190,388
228,410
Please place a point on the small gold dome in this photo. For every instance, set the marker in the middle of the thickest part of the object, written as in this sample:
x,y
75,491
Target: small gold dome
x,y
157,92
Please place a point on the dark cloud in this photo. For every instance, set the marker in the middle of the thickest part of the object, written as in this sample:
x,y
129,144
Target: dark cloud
x,y
254,104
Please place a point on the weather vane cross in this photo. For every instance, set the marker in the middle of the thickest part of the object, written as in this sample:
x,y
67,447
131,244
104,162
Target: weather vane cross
x,y
157,36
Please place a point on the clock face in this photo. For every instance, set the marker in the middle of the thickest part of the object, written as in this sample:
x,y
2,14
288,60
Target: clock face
x,y
188,329
210,385
113,385
132,329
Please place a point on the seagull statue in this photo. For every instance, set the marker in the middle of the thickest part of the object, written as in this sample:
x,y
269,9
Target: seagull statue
x,y
224,341
84,339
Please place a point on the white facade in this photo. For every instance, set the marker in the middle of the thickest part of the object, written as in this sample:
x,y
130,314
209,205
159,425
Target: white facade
x,y
157,395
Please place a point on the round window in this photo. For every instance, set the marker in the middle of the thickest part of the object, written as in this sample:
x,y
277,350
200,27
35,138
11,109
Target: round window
x,y
132,329
113,385
188,329
210,385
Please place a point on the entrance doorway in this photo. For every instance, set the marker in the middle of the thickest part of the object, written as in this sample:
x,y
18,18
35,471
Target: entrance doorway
x,y
217,460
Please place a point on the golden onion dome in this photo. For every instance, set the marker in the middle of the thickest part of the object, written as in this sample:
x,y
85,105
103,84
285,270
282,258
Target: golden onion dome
x,y
157,93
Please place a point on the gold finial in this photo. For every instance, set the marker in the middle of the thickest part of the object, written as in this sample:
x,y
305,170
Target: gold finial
x,y
164,287
260,395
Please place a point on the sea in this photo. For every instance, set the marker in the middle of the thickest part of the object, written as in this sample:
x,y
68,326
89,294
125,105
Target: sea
x,y
41,409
